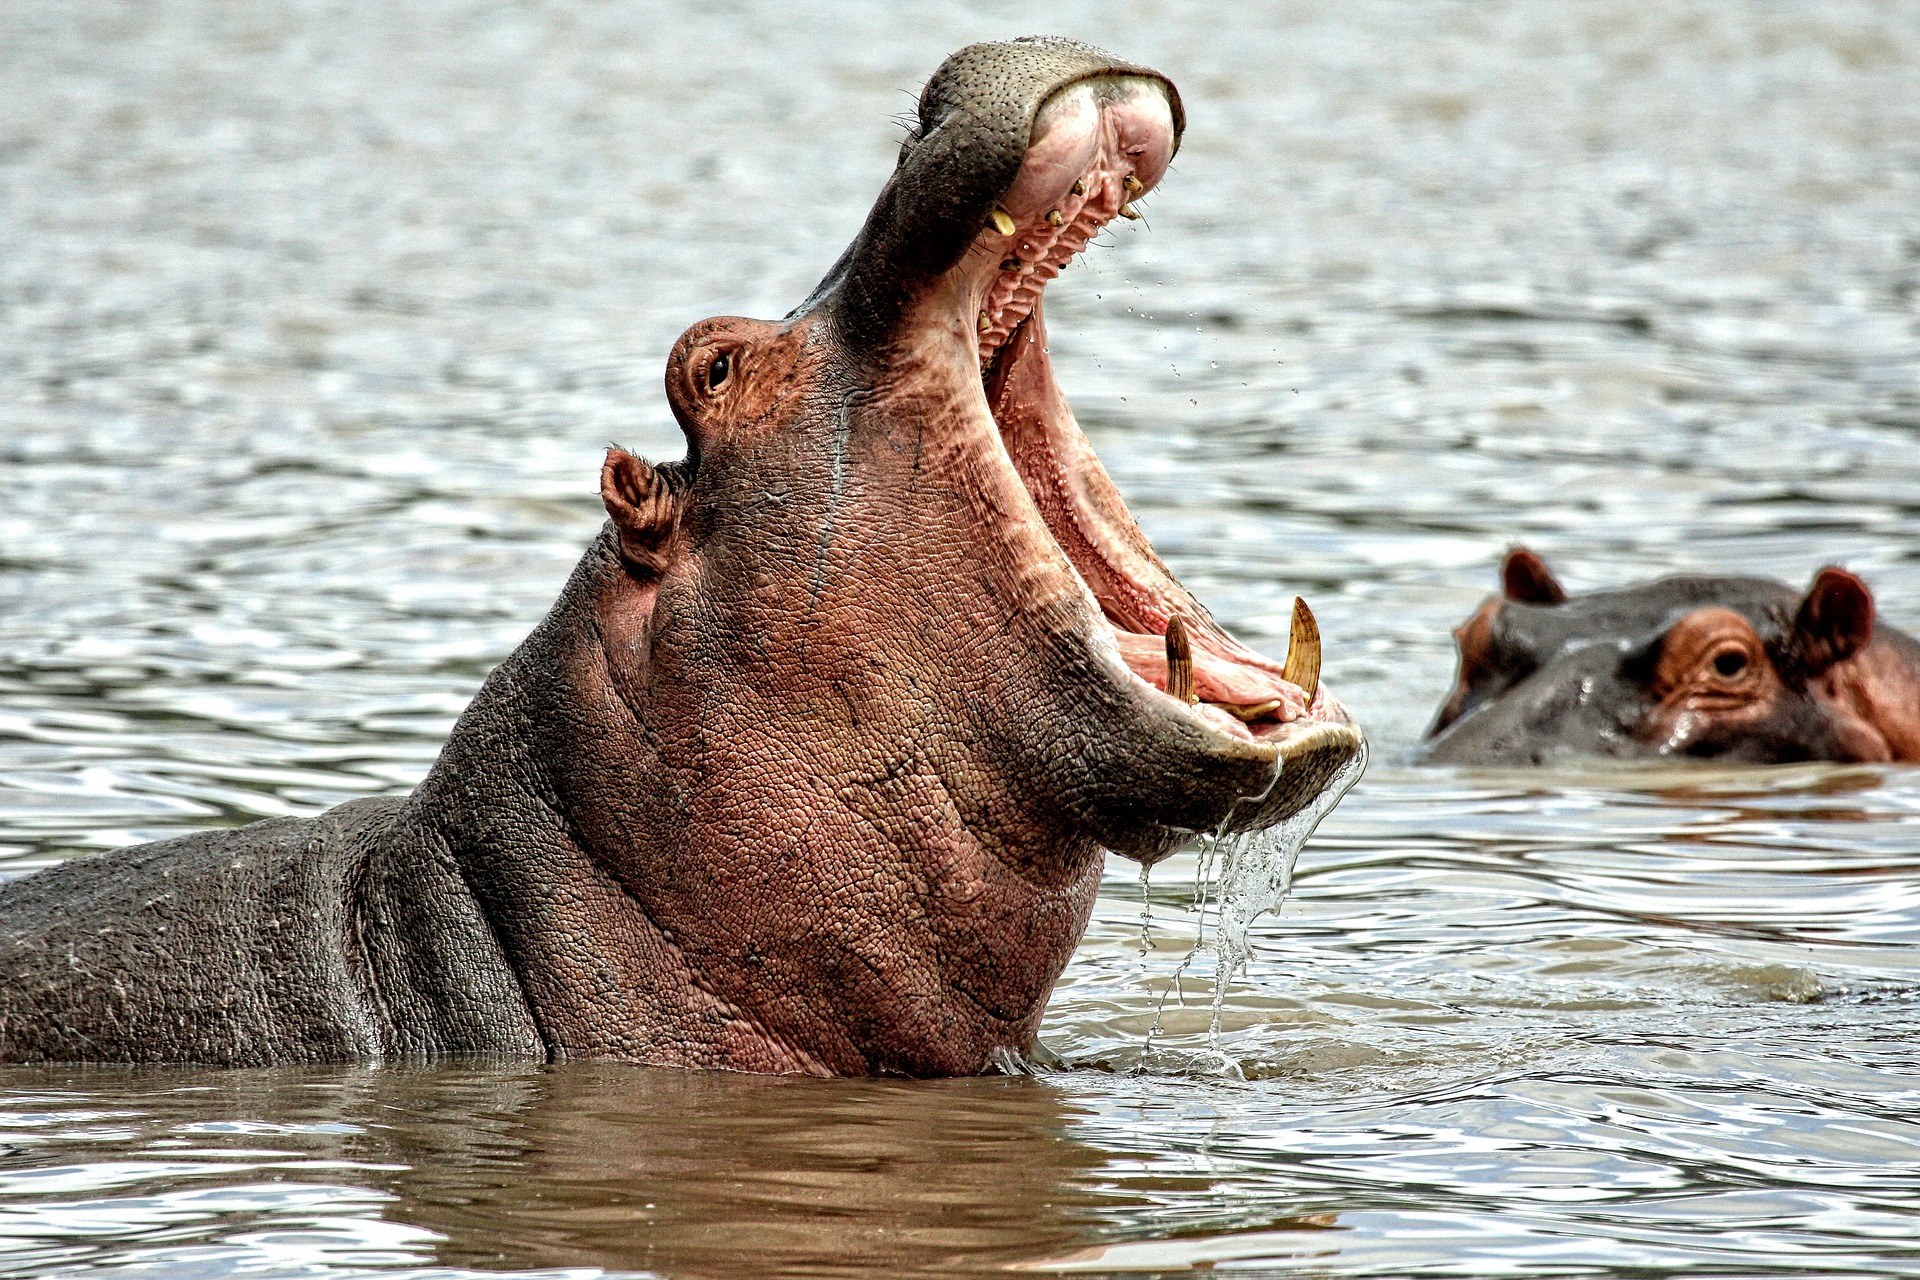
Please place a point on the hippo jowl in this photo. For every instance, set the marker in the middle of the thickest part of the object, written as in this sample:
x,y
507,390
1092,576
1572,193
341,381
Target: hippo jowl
x,y
812,764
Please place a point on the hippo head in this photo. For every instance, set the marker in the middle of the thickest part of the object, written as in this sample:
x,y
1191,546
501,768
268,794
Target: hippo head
x,y
1727,668
851,698
891,547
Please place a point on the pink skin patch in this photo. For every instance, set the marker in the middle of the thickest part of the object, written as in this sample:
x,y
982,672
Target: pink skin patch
x,y
1097,146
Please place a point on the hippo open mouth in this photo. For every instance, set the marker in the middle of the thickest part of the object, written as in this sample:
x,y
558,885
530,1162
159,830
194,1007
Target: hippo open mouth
x,y
1096,146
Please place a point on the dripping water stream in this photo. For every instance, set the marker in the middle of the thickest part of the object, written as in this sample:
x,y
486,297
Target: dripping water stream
x,y
1256,872
1243,876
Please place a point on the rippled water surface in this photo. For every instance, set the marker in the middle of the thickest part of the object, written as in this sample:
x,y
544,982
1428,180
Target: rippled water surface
x,y
315,318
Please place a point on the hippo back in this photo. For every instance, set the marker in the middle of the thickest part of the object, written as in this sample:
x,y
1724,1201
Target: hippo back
x,y
295,939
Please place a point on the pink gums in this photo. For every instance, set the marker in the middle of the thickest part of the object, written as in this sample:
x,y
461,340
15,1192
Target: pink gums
x,y
1098,136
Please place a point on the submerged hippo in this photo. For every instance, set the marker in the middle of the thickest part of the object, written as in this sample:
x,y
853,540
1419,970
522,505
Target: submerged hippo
x,y
1740,669
811,766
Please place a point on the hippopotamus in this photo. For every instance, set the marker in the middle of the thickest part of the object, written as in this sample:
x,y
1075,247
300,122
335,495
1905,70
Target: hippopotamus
x,y
811,767
1695,666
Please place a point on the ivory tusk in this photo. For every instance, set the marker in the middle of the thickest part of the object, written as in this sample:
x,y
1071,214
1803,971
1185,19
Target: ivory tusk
x,y
1303,651
1179,661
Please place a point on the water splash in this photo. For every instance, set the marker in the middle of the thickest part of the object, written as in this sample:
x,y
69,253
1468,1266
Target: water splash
x,y
1256,875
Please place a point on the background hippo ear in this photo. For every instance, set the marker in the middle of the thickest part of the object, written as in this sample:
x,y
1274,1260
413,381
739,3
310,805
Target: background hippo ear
x,y
644,508
1525,578
1835,619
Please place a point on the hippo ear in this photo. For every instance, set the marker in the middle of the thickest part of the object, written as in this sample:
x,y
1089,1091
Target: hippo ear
x,y
644,508
1525,578
1835,619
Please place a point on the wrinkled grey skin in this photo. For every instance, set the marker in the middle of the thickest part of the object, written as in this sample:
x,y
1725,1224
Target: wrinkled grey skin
x,y
761,792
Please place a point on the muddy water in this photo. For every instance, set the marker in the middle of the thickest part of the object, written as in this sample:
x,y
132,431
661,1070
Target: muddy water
x,y
314,319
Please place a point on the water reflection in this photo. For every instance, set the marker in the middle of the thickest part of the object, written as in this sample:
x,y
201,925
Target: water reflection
x,y
504,1167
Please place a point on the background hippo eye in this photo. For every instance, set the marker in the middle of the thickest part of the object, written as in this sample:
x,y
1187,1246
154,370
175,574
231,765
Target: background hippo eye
x,y
717,371
1730,662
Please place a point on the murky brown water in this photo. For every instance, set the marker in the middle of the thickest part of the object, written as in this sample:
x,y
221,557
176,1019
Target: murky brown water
x,y
315,317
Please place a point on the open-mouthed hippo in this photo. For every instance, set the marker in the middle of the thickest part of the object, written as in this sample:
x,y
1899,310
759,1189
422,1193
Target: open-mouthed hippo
x,y
1737,669
811,766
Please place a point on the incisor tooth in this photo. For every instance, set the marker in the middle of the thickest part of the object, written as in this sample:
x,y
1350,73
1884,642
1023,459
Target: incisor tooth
x,y
1133,185
1303,650
1055,218
1179,661
1003,221
1128,211
985,323
1079,187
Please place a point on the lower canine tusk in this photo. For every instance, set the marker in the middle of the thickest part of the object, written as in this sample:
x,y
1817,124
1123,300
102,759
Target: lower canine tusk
x,y
1179,661
1002,221
1303,651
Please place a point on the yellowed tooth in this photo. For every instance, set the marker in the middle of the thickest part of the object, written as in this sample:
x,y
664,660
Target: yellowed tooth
x,y
1303,650
1179,661
985,323
1079,187
1055,218
1003,221
1133,185
1128,211
1010,264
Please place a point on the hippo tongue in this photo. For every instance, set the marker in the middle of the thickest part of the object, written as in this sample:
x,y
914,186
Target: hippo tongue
x,y
1090,521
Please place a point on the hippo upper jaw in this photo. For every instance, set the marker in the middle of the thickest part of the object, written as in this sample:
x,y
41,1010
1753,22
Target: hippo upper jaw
x,y
967,352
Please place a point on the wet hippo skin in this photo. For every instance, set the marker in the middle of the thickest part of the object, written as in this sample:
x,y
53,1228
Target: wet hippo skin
x,y
812,765
1705,667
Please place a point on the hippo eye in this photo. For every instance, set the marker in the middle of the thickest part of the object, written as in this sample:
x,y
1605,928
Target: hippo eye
x,y
1730,662
718,370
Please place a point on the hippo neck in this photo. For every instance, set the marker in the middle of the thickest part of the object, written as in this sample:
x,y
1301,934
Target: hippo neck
x,y
649,918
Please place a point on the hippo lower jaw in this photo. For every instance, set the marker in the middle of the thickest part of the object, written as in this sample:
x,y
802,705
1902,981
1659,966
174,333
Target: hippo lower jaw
x,y
1097,146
